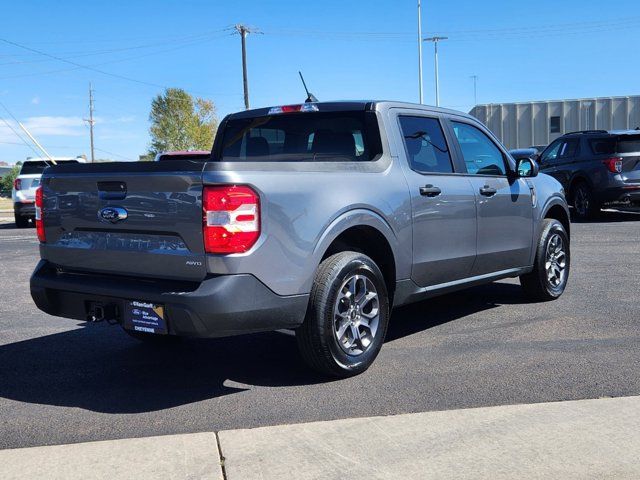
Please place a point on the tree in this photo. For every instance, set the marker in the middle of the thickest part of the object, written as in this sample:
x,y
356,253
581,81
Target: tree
x,y
6,182
181,122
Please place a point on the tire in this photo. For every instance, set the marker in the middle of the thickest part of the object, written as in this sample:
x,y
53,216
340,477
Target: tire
x,y
543,284
585,206
348,293
21,222
152,338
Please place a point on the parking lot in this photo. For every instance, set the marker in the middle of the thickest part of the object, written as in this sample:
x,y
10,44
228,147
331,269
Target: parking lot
x,y
63,381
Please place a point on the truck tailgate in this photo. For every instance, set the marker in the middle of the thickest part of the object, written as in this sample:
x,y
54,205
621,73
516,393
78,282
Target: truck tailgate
x,y
141,219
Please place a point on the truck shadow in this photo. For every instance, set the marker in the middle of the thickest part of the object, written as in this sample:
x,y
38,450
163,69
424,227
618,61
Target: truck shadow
x,y
99,368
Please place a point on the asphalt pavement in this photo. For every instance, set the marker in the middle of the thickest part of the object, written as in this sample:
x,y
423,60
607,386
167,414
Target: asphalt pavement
x,y
64,381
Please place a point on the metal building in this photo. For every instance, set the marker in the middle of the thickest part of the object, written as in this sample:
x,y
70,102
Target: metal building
x,y
521,125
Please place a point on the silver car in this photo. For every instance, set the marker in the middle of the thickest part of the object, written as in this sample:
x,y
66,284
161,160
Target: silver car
x,y
23,193
319,217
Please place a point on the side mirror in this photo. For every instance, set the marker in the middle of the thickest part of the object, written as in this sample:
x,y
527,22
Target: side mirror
x,y
527,167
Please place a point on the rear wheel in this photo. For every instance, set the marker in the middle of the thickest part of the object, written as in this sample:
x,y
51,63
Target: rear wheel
x,y
583,202
21,222
347,317
550,273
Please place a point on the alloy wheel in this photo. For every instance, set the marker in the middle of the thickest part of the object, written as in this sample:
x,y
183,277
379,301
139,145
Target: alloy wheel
x,y
356,315
556,261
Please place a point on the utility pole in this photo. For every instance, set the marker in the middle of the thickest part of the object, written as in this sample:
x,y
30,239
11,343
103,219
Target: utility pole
x,y
435,41
420,49
475,89
243,31
91,121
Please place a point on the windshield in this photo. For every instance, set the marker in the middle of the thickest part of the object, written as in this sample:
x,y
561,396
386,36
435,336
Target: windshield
x,y
300,137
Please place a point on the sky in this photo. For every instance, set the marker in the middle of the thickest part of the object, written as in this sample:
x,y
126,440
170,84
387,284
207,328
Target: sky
x,y
348,49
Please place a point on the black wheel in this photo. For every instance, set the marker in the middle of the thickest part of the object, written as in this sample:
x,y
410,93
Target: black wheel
x,y
21,222
347,317
583,202
551,266
152,338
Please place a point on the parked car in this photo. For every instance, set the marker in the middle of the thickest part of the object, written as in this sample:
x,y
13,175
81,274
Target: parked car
x,y
596,168
318,217
194,155
518,153
25,185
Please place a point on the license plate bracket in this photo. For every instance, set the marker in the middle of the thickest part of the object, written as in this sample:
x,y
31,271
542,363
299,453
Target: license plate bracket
x,y
145,317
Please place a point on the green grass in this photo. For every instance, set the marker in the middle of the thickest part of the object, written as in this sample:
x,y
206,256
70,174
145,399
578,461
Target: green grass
x,y
6,203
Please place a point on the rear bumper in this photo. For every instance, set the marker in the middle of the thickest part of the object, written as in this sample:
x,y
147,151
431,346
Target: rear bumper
x,y
218,306
25,209
624,194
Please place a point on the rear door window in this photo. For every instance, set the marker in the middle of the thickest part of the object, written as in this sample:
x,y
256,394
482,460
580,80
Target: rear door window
x,y
426,147
603,146
301,137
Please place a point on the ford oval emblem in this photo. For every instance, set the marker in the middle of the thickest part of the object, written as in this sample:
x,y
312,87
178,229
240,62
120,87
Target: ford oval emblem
x,y
112,214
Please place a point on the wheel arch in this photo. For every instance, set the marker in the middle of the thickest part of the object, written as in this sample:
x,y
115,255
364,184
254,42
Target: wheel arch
x,y
365,232
559,212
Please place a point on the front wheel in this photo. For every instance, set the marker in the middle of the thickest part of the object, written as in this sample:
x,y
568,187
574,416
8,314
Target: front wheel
x,y
347,317
550,273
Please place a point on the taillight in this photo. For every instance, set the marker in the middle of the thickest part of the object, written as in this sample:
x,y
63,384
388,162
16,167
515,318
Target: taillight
x,y
17,184
231,218
614,165
39,212
304,107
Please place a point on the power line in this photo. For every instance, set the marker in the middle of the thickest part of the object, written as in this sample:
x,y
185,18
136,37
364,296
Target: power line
x,y
15,131
193,39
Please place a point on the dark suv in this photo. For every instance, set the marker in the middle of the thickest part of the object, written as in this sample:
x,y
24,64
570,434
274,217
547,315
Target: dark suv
x,y
596,168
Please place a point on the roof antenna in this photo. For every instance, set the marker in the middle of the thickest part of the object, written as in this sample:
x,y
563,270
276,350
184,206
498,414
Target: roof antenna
x,y
310,96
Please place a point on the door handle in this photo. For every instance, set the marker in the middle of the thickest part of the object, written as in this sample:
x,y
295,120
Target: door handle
x,y
430,191
488,191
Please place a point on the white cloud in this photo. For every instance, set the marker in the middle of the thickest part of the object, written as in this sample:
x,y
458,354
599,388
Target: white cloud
x,y
35,100
44,126
56,126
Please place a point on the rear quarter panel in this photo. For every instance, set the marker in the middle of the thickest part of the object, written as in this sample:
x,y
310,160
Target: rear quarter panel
x,y
304,208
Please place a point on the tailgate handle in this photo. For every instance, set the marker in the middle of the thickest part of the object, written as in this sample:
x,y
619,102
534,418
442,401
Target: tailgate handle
x,y
112,190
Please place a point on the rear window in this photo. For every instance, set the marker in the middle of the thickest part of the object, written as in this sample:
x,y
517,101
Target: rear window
x,y
614,145
629,144
193,157
301,137
30,168
38,166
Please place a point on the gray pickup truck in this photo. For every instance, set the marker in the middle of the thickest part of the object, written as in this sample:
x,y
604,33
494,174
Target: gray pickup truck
x,y
317,217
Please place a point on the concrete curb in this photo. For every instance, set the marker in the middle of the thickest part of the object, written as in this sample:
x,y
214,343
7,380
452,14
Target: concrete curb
x,y
581,439
192,456
568,440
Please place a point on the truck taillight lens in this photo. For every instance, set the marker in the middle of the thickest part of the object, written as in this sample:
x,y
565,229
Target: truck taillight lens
x,y
39,211
17,184
231,218
614,165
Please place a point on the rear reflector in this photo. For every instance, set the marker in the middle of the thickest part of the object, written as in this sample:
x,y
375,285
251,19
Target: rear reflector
x,y
305,107
17,184
231,218
614,165
39,213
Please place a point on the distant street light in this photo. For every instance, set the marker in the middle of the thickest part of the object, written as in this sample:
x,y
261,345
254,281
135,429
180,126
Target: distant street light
x,y
435,41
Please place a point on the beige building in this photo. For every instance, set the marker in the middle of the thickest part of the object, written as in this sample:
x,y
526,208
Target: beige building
x,y
523,124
